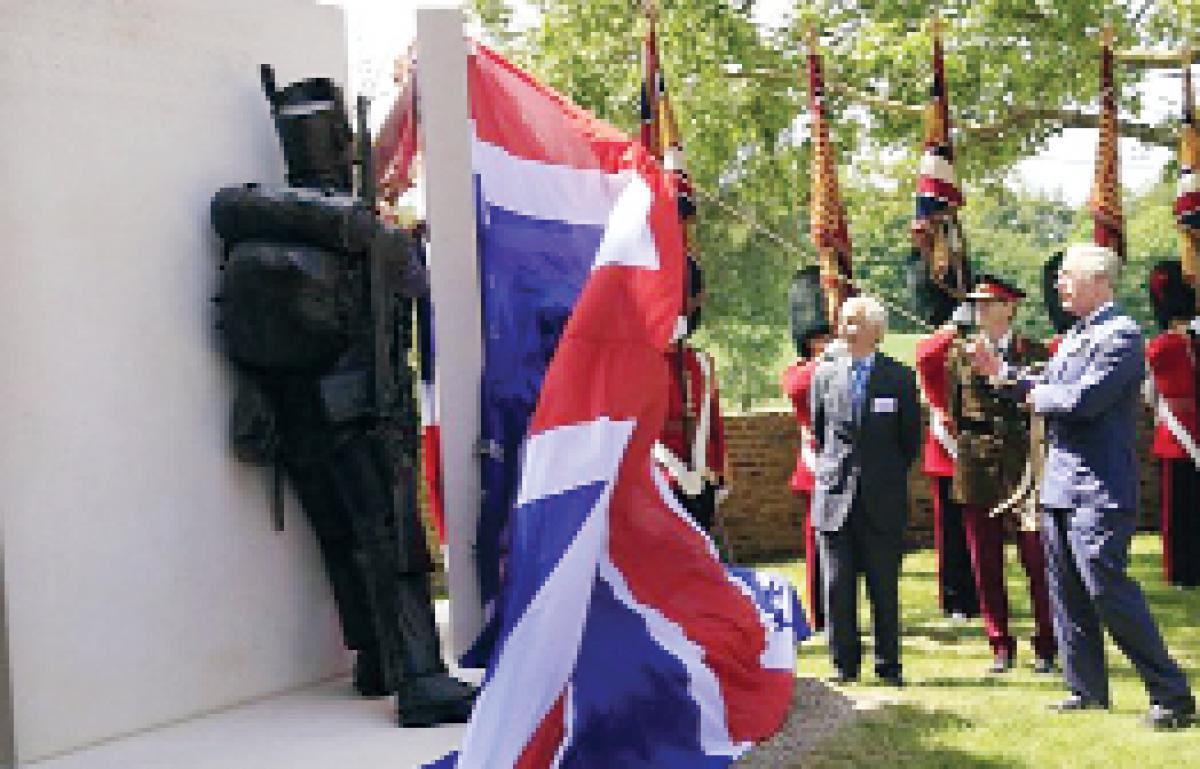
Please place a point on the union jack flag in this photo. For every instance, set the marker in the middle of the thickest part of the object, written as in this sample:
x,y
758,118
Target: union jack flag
x,y
937,185
618,638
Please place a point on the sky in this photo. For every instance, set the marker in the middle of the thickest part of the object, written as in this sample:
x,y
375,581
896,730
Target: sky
x,y
381,30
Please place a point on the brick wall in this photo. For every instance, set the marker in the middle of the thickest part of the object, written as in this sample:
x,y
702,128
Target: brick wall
x,y
762,517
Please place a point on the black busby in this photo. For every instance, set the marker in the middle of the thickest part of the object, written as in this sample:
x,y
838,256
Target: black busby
x,y
314,129
933,300
807,303
1060,319
1173,297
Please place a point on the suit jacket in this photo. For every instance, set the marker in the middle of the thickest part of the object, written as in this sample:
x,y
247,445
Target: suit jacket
x,y
872,454
1089,394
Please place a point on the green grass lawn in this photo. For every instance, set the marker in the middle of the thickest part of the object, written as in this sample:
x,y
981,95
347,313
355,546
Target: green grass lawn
x,y
953,714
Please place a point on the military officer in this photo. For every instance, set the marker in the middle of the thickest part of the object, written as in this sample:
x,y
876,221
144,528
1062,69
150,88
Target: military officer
x,y
993,448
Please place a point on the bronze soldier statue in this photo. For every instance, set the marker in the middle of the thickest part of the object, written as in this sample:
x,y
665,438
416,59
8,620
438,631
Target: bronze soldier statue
x,y
993,445
315,310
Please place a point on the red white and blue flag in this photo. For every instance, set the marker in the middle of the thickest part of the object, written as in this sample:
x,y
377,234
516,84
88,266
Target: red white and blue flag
x,y
937,185
1187,200
618,639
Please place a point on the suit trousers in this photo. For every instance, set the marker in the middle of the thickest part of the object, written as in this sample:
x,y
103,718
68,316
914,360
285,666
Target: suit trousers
x,y
857,548
956,582
1087,553
985,538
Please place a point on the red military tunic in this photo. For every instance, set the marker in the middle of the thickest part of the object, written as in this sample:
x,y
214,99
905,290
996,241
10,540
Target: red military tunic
x,y
797,383
1170,356
932,354
700,382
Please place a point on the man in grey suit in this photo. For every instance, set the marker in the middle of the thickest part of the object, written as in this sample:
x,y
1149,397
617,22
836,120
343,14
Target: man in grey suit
x,y
1088,394
868,432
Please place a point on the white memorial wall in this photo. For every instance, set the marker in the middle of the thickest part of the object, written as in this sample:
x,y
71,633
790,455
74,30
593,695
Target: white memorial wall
x,y
142,580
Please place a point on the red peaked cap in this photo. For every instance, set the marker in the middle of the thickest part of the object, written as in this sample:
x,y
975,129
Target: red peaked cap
x,y
991,287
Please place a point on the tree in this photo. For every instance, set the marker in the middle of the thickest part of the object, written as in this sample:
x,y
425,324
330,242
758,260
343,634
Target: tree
x,y
1018,73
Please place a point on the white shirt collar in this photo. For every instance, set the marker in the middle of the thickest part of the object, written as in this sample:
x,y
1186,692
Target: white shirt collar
x,y
867,360
1092,317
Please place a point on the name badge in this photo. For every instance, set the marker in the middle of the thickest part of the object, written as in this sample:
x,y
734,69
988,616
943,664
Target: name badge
x,y
883,406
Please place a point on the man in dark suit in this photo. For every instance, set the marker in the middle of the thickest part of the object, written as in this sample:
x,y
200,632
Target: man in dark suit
x,y
1088,394
868,432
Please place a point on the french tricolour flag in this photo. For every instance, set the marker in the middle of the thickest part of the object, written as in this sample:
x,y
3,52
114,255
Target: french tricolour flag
x,y
620,639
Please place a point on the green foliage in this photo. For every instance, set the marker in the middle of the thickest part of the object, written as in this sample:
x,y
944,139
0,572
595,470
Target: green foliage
x,y
746,137
952,715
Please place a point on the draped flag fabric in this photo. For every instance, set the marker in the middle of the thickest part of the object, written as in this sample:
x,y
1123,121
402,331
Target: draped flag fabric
x,y
1187,200
1105,202
935,222
431,433
827,216
395,146
618,638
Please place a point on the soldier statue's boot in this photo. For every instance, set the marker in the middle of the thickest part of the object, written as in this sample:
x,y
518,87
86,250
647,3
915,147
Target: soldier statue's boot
x,y
370,678
434,699
428,695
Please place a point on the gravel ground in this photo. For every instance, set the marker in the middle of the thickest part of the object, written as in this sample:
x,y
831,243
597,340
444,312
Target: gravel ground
x,y
817,711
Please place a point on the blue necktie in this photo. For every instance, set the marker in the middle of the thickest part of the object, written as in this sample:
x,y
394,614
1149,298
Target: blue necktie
x,y
858,385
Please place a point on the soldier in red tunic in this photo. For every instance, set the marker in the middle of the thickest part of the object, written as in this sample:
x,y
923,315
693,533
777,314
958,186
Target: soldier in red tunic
x,y
810,333
956,583
1171,357
691,449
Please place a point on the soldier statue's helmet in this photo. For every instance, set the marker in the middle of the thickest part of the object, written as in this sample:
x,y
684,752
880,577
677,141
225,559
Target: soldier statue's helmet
x,y
1060,319
314,131
1170,293
993,288
806,303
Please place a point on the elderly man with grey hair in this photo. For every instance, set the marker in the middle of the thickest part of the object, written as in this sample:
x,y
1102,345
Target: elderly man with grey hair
x,y
868,432
1088,394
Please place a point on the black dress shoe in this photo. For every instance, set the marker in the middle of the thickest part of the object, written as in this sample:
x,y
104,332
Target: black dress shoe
x,y
1001,663
892,679
1043,665
1165,718
1076,703
841,679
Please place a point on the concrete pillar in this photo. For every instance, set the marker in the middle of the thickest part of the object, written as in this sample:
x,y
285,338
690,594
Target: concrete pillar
x,y
142,580
454,275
